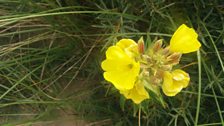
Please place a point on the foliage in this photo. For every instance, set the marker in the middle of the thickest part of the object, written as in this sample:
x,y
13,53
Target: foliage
x,y
51,52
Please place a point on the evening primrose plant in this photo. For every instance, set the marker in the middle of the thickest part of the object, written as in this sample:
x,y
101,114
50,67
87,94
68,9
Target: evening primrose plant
x,y
136,71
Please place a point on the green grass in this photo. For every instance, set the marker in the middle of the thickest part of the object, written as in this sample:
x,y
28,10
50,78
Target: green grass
x,y
51,51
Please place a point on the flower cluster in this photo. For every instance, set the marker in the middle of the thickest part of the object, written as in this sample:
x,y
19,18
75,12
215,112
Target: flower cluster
x,y
134,71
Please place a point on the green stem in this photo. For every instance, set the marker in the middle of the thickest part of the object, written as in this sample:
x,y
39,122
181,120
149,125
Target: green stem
x,y
199,88
139,116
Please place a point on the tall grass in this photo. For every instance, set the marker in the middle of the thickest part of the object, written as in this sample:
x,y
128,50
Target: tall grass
x,y
51,51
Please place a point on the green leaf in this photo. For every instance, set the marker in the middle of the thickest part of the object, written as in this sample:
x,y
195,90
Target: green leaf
x,y
122,102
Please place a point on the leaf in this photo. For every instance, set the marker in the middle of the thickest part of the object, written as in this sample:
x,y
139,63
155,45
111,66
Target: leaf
x,y
122,102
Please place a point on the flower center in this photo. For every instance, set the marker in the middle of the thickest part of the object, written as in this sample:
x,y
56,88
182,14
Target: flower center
x,y
130,66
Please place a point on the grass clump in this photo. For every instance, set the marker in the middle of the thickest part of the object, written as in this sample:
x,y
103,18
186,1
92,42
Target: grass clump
x,y
51,52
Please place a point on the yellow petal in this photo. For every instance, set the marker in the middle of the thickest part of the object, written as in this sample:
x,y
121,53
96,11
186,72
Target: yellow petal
x,y
126,43
184,40
129,46
117,60
120,69
179,76
137,94
123,79
141,89
168,87
174,82
123,64
169,93
115,52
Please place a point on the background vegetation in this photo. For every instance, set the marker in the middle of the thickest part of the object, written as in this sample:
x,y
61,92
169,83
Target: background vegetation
x,y
51,50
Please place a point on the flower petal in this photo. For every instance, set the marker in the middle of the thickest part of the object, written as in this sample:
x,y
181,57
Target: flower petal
x,y
137,94
141,89
169,93
129,46
181,77
174,82
120,69
115,52
184,40
117,64
126,43
168,87
123,79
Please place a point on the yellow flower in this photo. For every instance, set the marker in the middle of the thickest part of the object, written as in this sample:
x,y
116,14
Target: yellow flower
x,y
184,40
120,67
174,82
136,94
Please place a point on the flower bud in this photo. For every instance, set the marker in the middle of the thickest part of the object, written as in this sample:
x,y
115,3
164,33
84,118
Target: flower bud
x,y
166,51
141,45
157,46
174,58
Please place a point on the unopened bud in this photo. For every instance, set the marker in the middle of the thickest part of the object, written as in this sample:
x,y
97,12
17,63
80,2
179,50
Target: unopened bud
x,y
146,58
166,67
166,51
157,46
174,58
141,46
155,81
159,73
